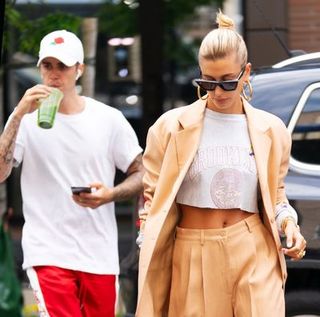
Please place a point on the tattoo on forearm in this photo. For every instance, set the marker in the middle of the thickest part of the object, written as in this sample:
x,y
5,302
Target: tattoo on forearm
x,y
132,185
7,144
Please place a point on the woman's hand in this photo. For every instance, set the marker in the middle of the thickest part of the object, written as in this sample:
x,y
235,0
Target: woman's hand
x,y
296,244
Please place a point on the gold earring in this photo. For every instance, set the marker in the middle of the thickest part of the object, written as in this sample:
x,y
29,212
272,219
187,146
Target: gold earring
x,y
245,96
199,94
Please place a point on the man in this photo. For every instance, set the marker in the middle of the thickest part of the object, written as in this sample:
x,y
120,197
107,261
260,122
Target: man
x,y
70,241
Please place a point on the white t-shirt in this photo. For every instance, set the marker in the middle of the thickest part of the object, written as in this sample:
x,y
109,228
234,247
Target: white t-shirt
x,y
79,149
223,174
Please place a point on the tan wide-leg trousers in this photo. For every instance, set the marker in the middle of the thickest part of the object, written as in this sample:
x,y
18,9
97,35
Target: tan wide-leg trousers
x,y
229,272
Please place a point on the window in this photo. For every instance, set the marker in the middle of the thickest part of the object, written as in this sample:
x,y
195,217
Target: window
x,y
306,134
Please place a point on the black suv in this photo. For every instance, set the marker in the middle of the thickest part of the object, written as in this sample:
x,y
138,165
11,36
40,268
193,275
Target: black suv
x,y
291,90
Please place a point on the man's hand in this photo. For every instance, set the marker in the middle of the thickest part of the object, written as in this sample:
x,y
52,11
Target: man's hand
x,y
130,187
100,195
30,100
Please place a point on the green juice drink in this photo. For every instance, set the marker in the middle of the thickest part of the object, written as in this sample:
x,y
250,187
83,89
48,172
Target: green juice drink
x,y
48,109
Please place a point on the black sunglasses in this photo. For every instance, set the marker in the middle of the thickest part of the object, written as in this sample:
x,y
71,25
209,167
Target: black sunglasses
x,y
227,85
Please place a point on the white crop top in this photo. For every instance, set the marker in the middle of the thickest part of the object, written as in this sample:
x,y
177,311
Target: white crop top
x,y
223,174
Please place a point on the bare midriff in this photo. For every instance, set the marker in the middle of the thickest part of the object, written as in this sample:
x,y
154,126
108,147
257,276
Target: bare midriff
x,y
207,218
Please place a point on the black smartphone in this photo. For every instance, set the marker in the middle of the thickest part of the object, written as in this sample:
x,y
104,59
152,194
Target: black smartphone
x,y
76,190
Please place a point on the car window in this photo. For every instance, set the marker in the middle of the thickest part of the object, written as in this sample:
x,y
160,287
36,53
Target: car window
x,y
306,133
268,93
279,92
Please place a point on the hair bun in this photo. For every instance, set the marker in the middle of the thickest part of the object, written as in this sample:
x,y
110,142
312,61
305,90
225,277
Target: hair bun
x,y
224,21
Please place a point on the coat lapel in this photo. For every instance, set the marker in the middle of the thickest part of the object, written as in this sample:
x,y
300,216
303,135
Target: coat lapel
x,y
187,139
261,144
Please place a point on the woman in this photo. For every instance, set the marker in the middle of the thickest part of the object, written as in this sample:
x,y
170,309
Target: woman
x,y
215,198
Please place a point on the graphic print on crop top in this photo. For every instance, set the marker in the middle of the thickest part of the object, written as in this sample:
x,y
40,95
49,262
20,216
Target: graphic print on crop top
x,y
223,173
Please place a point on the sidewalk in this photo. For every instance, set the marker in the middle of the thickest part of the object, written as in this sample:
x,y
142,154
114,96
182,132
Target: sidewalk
x,y
30,307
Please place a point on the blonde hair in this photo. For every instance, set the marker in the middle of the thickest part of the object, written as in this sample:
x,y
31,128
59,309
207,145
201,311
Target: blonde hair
x,y
223,41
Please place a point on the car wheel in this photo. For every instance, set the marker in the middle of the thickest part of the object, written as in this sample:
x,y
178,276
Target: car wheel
x,y
303,304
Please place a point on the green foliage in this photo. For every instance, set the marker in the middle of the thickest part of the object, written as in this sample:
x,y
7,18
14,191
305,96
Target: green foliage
x,y
30,37
178,10
118,20
30,32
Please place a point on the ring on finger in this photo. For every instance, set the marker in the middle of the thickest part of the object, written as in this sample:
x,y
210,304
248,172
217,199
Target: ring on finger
x,y
301,254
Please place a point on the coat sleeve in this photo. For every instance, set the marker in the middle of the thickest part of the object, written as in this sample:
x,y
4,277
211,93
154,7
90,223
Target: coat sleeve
x,y
283,208
284,166
152,161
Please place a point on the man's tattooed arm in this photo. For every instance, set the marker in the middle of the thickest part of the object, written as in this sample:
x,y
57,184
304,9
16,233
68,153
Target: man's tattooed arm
x,y
132,185
27,104
7,145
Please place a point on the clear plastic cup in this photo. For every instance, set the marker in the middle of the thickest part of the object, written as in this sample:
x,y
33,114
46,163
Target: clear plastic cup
x,y
48,109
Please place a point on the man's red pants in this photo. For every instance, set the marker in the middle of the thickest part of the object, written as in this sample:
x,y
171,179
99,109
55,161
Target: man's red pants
x,y
66,293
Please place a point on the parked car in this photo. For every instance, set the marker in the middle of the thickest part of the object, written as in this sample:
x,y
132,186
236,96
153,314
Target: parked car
x,y
291,90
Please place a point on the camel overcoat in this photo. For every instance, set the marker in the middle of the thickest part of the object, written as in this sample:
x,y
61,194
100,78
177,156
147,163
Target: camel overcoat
x,y
172,143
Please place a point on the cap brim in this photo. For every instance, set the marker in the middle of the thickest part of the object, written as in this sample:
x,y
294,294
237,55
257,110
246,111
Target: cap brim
x,y
63,59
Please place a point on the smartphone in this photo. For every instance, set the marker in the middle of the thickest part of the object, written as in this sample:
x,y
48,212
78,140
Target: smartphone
x,y
76,190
